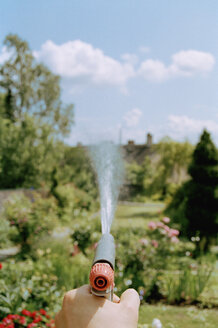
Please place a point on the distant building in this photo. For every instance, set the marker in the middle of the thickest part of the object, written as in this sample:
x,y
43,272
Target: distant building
x,y
137,152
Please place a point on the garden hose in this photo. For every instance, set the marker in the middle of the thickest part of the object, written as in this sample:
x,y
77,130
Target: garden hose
x,y
102,272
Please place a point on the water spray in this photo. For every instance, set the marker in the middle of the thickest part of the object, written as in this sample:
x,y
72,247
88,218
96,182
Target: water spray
x,y
108,164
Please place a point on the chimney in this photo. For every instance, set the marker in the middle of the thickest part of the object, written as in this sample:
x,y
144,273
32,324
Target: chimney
x,y
131,142
149,140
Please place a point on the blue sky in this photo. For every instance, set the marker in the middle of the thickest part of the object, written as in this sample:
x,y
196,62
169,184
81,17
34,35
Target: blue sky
x,y
132,66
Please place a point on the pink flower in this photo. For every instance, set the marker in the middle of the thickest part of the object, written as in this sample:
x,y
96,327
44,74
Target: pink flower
x,y
152,225
174,239
155,243
166,220
173,232
166,228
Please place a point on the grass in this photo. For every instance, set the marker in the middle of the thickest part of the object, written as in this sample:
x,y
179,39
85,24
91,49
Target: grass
x,y
177,317
136,215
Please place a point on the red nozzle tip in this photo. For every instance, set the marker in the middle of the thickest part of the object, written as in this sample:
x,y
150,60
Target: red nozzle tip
x,y
101,276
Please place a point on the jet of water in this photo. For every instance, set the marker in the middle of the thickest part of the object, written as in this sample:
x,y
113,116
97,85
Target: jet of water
x,y
108,163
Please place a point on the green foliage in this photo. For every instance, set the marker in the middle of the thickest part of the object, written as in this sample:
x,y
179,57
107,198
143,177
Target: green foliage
x,y
143,258
28,285
202,202
176,209
31,219
86,233
187,284
160,176
195,205
75,167
26,153
171,166
73,202
140,177
31,88
71,271
4,233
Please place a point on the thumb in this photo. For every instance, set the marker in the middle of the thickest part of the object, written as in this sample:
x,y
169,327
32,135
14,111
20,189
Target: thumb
x,y
130,298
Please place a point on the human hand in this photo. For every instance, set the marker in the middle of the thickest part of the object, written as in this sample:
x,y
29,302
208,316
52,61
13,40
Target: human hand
x,y
81,309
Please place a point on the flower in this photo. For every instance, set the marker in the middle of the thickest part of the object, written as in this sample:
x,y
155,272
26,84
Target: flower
x,y
22,320
1,265
166,220
42,311
32,324
144,241
26,312
152,225
156,323
154,243
174,232
37,319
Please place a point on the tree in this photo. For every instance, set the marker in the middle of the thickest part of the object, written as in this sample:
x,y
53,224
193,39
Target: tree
x,y
27,153
172,164
195,205
202,202
30,88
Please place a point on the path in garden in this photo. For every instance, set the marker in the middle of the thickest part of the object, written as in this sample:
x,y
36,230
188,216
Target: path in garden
x,y
7,252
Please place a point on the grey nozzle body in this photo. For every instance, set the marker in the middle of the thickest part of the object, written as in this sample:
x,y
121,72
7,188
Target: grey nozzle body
x,y
105,251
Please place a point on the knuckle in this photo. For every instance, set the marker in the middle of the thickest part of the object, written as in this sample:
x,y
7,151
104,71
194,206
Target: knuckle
x,y
68,298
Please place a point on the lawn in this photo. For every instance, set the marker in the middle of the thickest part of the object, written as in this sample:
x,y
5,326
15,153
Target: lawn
x,y
136,215
178,317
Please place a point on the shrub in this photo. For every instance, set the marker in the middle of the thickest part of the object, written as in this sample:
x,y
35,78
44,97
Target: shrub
x,y
86,233
187,284
195,205
73,202
143,260
26,285
28,319
30,219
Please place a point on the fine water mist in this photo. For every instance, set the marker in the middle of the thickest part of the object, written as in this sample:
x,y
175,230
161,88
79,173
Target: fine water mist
x,y
108,163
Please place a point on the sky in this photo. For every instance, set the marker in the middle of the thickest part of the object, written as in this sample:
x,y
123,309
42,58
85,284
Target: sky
x,y
129,67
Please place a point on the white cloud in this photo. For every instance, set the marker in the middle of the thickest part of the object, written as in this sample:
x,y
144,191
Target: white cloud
x,y
192,61
153,70
132,117
183,126
184,63
80,62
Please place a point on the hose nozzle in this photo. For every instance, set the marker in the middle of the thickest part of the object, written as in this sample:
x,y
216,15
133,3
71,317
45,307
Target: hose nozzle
x,y
102,273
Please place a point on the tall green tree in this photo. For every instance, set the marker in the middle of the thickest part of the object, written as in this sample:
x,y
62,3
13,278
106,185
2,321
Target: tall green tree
x,y
202,202
31,88
195,205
